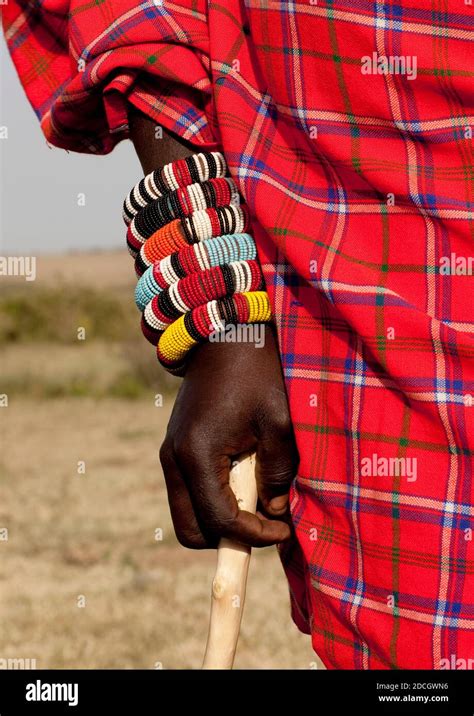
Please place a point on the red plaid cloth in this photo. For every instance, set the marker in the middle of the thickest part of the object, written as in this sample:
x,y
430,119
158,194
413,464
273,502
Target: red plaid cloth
x,y
358,186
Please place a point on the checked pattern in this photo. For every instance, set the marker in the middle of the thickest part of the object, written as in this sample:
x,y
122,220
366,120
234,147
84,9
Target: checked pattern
x,y
358,185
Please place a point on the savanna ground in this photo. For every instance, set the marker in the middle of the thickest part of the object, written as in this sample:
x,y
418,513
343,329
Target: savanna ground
x,y
85,583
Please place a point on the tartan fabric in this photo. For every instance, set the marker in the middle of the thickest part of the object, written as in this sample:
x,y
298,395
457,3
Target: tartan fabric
x,y
359,185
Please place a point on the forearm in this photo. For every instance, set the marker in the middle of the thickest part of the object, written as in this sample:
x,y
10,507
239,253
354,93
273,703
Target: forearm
x,y
154,149
232,399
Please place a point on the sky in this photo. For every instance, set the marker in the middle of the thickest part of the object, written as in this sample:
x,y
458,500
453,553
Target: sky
x,y
39,211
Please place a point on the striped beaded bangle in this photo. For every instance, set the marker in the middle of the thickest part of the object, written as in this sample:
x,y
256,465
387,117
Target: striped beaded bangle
x,y
197,325
186,231
198,257
197,289
181,203
200,226
195,168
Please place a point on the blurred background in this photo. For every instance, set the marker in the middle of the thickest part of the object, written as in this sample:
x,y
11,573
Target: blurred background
x,y
91,575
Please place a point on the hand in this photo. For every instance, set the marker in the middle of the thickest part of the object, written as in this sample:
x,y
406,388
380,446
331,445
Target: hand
x,y
232,400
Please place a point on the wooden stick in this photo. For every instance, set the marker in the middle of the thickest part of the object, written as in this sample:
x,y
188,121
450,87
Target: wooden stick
x,y
228,586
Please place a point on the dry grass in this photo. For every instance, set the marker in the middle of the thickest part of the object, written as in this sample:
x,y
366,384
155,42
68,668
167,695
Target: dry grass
x,y
96,369
146,601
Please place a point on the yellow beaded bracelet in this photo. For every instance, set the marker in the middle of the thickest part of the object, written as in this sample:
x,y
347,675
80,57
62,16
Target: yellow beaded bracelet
x,y
179,338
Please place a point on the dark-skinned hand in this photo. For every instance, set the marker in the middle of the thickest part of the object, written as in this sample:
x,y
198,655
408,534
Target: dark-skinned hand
x,y
232,400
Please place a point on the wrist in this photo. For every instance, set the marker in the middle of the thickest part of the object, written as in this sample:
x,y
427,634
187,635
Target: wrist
x,y
247,347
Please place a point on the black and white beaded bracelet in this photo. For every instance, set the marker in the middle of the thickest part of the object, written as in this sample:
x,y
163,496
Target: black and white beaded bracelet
x,y
193,169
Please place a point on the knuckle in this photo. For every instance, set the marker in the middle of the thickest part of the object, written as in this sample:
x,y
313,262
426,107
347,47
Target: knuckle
x,y
190,540
188,444
281,423
166,453
276,475
279,484
274,419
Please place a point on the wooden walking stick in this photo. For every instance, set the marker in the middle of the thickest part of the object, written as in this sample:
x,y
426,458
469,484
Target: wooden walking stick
x,y
228,586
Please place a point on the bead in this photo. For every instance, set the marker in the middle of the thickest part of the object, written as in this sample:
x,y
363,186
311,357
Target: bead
x,y
196,264
193,169
182,334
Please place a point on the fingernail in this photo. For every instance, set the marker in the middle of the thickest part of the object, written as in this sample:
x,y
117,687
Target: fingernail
x,y
278,503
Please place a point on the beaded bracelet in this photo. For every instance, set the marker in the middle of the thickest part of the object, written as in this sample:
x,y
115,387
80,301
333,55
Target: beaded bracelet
x,y
200,226
198,257
197,325
180,203
198,267
195,168
197,289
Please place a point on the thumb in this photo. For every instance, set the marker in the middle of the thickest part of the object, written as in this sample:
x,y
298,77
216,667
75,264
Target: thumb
x,y
277,464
